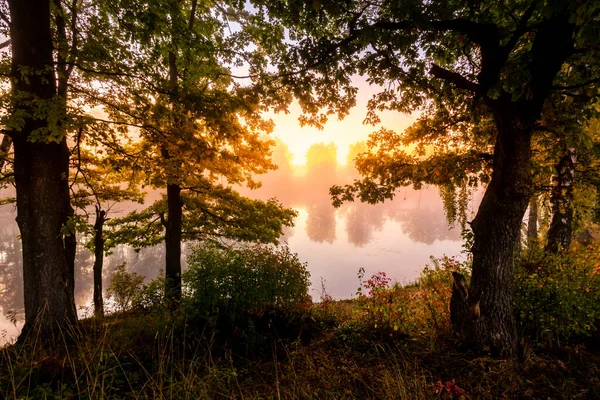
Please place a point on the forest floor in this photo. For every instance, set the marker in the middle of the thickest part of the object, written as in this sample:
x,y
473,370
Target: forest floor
x,y
351,349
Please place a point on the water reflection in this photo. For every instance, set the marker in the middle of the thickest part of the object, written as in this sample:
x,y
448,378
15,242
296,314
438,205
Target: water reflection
x,y
320,225
420,213
396,237
362,220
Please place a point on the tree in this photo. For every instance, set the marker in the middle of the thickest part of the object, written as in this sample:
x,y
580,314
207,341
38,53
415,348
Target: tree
x,y
34,119
201,129
560,231
481,73
49,43
103,176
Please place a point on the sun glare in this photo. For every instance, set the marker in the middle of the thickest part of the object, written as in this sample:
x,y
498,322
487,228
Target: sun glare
x,y
342,133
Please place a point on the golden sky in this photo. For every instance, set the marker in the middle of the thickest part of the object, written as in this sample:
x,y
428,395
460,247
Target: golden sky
x,y
343,133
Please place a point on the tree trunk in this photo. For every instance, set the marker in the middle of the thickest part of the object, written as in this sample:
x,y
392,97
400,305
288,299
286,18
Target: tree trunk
x,y
173,244
174,205
532,226
41,174
98,261
497,230
560,231
497,226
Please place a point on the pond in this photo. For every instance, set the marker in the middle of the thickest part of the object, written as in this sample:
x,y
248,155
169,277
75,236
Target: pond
x,y
397,237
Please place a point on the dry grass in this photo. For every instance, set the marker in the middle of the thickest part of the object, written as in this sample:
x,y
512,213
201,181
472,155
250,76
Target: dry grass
x,y
332,352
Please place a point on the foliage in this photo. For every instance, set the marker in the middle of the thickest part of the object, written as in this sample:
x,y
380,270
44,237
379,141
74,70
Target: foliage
x,y
156,356
125,287
151,296
325,309
200,130
448,390
382,311
218,213
557,297
238,282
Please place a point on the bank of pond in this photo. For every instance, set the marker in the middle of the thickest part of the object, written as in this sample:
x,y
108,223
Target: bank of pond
x,y
246,327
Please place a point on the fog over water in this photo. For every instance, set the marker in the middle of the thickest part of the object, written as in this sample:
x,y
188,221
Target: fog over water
x,y
397,237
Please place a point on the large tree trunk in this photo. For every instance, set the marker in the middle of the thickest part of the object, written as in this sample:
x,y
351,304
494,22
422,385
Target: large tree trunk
x,y
41,174
497,229
173,244
98,261
532,224
560,231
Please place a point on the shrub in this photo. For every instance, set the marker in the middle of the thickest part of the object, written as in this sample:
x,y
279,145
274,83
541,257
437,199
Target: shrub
x,y
382,311
151,296
124,287
244,281
557,297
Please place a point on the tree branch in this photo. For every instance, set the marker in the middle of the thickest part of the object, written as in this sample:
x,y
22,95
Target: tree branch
x,y
75,36
457,79
393,26
5,18
480,33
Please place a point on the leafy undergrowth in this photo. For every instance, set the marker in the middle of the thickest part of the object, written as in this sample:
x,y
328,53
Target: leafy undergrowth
x,y
390,342
328,352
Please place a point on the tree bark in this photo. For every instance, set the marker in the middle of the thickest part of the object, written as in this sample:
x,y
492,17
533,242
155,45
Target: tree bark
x,y
41,170
98,261
561,227
173,244
532,226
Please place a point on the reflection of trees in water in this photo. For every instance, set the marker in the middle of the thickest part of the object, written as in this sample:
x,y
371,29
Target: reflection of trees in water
x,y
148,262
426,225
288,232
420,213
320,224
84,279
361,220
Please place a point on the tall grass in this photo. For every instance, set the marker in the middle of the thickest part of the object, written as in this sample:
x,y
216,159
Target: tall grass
x,y
392,343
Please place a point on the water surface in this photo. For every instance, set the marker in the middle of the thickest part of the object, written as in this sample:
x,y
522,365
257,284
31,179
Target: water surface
x,y
397,237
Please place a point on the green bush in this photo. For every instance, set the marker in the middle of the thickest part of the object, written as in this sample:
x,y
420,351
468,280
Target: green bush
x,y
151,296
125,287
557,297
244,281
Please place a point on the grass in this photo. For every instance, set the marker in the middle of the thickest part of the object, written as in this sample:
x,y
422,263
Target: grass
x,y
332,350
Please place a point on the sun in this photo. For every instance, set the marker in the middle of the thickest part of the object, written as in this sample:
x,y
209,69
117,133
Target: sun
x,y
342,133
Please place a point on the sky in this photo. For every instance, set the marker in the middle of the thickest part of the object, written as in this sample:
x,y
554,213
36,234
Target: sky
x,y
343,133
